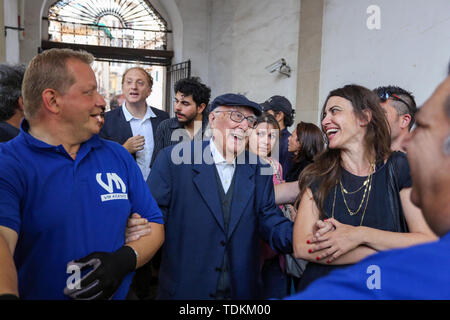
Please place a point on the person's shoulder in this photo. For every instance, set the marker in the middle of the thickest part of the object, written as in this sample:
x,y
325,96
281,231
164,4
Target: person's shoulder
x,y
12,154
398,157
7,132
401,167
168,123
112,119
191,147
160,113
113,113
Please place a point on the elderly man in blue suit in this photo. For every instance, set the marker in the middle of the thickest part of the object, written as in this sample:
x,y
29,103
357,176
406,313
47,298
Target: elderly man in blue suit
x,y
218,202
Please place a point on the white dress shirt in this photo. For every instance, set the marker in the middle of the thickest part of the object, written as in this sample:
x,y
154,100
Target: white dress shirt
x,y
224,168
144,128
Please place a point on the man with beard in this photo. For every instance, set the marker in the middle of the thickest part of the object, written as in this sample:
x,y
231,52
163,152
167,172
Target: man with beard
x,y
190,121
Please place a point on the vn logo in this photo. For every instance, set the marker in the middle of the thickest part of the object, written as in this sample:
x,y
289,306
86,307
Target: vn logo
x,y
113,181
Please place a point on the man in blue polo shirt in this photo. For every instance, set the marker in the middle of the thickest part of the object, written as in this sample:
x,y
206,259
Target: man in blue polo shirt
x,y
422,271
66,194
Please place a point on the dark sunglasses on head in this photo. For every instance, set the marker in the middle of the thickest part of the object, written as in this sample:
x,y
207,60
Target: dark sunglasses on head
x,y
385,95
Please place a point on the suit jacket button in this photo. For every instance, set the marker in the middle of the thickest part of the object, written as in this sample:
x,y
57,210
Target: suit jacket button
x,y
218,269
223,243
212,295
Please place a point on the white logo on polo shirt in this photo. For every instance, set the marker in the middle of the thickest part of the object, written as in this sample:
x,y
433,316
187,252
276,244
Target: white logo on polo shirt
x,y
113,180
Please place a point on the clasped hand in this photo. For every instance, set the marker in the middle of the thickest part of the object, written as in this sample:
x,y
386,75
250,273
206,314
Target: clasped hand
x,y
332,239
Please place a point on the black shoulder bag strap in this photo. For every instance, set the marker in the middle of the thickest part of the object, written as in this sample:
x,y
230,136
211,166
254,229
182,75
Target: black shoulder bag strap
x,y
394,199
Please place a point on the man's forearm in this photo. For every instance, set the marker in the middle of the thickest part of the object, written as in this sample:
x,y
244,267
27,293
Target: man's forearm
x,y
148,245
8,274
286,192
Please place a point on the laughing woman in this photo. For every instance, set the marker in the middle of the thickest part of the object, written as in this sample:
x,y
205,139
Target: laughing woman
x,y
355,198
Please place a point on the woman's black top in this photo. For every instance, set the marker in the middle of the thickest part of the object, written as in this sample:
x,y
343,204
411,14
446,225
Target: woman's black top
x,y
378,214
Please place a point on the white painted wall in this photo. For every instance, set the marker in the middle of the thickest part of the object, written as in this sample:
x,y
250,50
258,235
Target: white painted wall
x,y
32,20
411,50
246,36
195,16
231,41
11,10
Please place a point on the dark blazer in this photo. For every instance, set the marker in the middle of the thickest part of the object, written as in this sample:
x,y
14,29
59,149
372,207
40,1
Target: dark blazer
x,y
116,127
7,132
163,137
195,238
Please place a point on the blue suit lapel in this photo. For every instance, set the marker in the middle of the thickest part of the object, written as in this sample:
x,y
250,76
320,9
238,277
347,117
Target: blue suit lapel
x,y
206,183
123,127
244,186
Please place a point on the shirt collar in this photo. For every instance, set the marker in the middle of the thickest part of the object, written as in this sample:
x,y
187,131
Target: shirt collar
x,y
217,156
128,116
93,142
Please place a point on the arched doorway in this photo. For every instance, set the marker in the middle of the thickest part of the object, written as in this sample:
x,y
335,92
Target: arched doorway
x,y
120,34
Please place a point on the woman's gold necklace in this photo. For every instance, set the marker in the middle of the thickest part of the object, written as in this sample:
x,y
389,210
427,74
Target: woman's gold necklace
x,y
367,184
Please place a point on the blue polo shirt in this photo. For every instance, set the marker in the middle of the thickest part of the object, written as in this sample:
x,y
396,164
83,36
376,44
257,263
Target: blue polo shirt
x,y
420,272
64,209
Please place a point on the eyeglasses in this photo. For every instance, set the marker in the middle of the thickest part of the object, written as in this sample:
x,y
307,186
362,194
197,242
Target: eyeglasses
x,y
385,95
237,116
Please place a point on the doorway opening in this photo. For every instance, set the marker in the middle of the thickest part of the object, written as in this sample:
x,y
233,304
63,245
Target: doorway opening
x,y
120,34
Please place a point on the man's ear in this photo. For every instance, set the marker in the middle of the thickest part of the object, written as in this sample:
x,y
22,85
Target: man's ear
x,y
201,107
211,118
20,104
406,120
49,99
447,146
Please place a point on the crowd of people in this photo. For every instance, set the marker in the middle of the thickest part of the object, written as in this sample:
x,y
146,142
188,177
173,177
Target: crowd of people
x,y
220,201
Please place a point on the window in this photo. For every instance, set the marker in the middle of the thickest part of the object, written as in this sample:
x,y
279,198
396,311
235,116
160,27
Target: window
x,y
114,23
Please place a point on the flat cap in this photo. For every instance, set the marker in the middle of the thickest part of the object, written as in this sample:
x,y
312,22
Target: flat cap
x,y
232,99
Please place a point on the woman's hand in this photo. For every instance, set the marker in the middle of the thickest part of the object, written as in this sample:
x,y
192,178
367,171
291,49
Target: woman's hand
x,y
320,229
333,239
136,227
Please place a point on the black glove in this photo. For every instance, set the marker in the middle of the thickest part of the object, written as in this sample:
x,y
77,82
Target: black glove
x,y
8,296
107,274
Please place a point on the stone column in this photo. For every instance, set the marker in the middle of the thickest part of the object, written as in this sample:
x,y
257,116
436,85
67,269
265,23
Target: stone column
x,y
309,61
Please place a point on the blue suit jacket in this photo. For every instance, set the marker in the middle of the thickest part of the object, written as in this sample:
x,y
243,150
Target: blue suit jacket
x,y
116,127
195,238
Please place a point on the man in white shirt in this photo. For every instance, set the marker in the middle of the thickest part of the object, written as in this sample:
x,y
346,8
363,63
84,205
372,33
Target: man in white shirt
x,y
134,124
